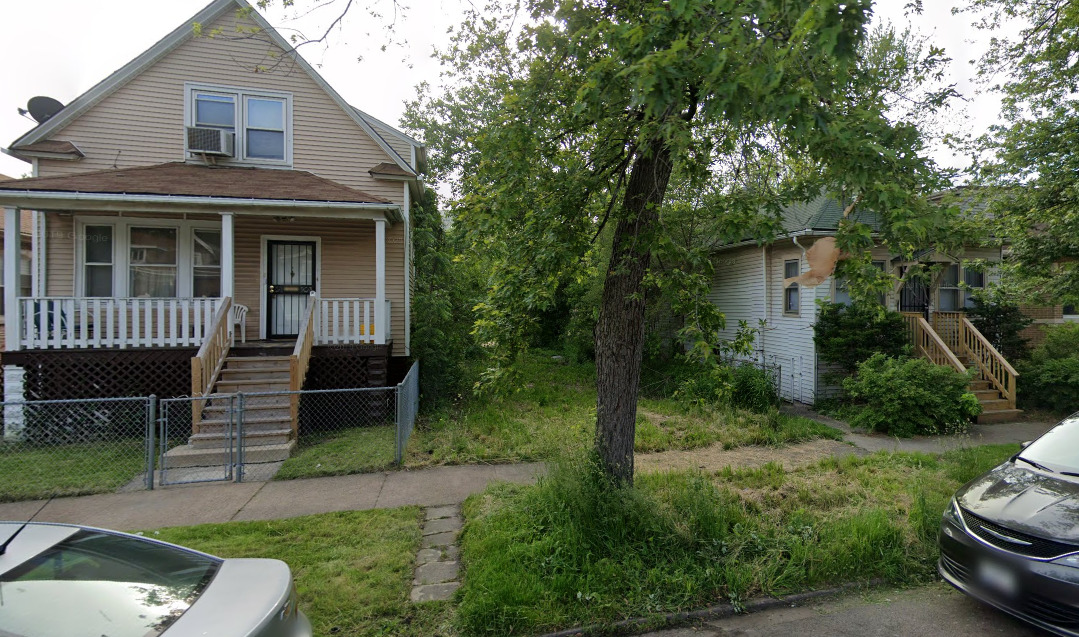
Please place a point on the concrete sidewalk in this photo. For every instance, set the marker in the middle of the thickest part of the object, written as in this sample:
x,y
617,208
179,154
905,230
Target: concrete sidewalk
x,y
226,501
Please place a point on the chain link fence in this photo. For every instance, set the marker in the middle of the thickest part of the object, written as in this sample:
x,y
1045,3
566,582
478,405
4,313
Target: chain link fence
x,y
76,447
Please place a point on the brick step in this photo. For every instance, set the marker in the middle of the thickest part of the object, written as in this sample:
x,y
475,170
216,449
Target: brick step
x,y
250,439
245,373
998,416
256,362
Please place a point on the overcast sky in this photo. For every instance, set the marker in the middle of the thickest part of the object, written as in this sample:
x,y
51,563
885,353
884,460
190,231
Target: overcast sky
x,y
60,48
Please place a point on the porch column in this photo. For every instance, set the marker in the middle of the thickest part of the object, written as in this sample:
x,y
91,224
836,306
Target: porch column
x,y
12,254
380,282
227,252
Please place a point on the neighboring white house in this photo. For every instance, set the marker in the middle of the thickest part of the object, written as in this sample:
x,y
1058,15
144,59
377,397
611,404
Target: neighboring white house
x,y
749,285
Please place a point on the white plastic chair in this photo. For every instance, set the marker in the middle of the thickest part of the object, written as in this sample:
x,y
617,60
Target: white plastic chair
x,y
239,317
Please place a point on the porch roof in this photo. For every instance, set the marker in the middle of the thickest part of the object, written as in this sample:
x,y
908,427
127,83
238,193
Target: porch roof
x,y
183,187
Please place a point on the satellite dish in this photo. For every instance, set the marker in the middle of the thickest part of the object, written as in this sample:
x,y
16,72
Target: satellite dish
x,y
42,108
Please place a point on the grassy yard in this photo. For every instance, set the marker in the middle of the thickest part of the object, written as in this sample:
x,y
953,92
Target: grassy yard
x,y
354,450
353,570
553,413
33,472
569,552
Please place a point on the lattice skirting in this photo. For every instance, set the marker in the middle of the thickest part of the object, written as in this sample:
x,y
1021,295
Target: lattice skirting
x,y
62,374
347,367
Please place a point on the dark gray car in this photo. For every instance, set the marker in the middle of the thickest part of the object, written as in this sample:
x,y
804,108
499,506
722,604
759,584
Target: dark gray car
x,y
60,579
1011,536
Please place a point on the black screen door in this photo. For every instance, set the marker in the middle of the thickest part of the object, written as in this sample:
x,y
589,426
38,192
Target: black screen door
x,y
914,297
290,279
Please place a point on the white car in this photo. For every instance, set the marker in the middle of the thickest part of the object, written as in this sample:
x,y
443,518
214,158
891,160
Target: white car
x,y
59,580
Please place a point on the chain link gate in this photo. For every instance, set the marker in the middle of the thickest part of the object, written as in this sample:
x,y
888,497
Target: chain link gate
x,y
197,439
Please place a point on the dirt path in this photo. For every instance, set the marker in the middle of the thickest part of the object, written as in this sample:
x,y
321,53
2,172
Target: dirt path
x,y
715,457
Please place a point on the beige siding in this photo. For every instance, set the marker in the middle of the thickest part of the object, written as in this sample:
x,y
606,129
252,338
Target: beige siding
x,y
403,148
142,123
738,289
347,263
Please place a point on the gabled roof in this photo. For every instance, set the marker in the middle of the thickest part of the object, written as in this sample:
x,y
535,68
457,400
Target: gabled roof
x,y
181,34
194,180
822,214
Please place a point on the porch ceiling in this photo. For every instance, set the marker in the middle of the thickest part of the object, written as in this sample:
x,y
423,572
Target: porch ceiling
x,y
181,187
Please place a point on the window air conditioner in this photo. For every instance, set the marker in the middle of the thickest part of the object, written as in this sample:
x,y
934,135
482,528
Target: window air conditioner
x,y
210,141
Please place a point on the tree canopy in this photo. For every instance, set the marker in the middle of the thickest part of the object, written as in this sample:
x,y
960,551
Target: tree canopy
x,y
1030,161
570,120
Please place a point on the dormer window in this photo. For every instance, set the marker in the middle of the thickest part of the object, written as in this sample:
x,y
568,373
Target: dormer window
x,y
260,121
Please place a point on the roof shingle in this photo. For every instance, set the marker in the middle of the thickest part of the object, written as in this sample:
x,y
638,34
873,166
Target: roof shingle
x,y
192,180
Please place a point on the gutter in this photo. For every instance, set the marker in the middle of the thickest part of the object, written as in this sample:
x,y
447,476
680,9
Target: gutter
x,y
32,199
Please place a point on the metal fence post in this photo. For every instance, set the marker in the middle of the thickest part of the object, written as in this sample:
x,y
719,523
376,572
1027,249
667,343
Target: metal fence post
x,y
397,451
151,429
237,418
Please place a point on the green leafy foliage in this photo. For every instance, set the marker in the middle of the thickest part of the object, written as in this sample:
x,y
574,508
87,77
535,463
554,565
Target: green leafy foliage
x,y
443,292
1001,322
910,396
1050,379
575,549
754,388
1030,159
847,335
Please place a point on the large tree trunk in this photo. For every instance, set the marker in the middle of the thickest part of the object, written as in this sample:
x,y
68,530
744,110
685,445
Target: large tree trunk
x,y
620,328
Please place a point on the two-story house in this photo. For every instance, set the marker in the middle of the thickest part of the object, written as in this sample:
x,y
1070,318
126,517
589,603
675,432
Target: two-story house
x,y
212,217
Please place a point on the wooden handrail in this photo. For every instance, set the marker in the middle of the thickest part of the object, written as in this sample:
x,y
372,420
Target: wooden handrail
x,y
949,326
932,346
300,358
992,365
207,363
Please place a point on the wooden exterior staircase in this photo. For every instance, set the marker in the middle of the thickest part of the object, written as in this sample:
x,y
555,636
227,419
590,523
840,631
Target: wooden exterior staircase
x,y
268,375
952,340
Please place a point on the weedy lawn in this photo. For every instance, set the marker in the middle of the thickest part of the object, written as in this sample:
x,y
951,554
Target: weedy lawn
x,y
569,551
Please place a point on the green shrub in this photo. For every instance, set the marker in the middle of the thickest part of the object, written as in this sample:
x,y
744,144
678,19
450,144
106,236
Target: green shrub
x,y
1001,321
753,388
910,396
1050,379
846,335
705,385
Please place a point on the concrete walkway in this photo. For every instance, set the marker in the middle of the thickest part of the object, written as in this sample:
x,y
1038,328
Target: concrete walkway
x,y
226,502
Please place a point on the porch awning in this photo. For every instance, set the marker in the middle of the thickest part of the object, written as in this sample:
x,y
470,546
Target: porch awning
x,y
182,187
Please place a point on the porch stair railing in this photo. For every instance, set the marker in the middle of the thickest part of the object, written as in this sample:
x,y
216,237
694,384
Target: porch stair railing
x,y
300,359
929,344
207,363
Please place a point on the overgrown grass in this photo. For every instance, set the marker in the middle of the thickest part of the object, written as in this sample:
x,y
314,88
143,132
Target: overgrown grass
x,y
30,472
353,570
572,551
553,412
355,450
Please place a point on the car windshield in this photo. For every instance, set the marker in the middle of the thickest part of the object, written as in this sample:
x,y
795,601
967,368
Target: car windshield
x,y
97,583
1058,449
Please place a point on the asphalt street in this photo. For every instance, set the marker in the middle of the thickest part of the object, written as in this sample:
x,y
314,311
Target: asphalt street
x,y
930,610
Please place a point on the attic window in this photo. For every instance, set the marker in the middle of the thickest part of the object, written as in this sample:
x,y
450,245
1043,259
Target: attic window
x,y
261,121
791,269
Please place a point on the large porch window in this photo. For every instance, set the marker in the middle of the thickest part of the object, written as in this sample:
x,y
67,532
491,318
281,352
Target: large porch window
x,y
148,258
956,298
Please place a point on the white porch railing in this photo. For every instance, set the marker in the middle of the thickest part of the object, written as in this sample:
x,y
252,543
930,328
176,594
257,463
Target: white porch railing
x,y
344,321
78,322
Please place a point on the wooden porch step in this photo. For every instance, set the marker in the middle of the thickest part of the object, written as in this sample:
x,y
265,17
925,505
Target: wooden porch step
x,y
257,362
979,385
252,385
994,404
998,415
268,373
250,423
990,394
258,407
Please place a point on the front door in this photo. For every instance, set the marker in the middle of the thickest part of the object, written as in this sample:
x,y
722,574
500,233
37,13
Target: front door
x,y
290,279
914,297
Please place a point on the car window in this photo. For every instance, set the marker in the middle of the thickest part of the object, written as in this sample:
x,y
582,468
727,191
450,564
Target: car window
x,y
1058,449
97,583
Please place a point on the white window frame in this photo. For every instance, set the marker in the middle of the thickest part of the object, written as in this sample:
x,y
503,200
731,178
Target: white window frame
x,y
121,250
793,286
840,284
241,95
941,287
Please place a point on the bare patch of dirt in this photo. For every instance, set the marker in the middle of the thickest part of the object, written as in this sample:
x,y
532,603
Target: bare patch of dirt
x,y
715,457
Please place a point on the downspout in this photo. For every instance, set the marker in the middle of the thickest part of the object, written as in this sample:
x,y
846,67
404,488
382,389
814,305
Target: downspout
x,y
766,301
